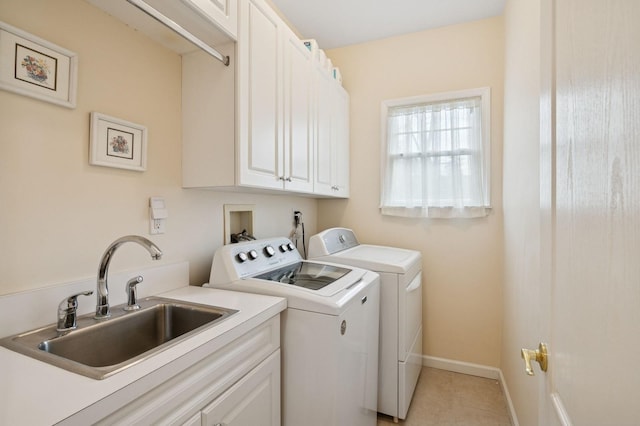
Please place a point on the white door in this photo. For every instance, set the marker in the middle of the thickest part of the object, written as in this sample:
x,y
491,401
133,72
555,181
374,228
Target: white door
x,y
590,178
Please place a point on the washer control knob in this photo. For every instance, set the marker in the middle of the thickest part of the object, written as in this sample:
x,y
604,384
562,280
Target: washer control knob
x,y
269,251
242,257
253,255
291,247
341,238
283,248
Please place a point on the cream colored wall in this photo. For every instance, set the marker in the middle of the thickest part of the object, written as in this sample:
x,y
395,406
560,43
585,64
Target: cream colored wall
x,y
521,202
462,258
58,213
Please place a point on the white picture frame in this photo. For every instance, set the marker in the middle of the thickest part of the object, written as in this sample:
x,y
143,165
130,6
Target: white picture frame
x,y
34,67
117,143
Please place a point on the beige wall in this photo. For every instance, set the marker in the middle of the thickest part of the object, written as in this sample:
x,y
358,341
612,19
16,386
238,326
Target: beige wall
x,y
521,202
58,213
462,258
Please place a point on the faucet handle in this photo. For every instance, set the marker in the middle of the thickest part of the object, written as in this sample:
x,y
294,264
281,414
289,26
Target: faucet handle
x,y
68,311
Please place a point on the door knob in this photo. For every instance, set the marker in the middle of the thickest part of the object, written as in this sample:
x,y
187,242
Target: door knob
x,y
539,355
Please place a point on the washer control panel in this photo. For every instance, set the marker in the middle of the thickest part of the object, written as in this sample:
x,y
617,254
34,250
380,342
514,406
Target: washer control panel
x,y
254,257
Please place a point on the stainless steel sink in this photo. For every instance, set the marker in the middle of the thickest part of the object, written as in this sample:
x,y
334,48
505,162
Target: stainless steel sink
x,y
100,348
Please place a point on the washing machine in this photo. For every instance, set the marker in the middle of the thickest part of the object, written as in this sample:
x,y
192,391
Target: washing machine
x,y
329,331
400,273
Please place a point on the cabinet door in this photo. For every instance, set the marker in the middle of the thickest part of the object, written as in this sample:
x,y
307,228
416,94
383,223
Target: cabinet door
x,y
332,137
222,13
259,97
298,130
253,401
340,134
323,135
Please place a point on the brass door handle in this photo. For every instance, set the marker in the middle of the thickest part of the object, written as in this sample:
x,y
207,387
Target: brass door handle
x,y
539,355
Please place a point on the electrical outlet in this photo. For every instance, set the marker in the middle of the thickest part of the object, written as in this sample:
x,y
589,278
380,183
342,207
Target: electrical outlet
x,y
158,215
157,226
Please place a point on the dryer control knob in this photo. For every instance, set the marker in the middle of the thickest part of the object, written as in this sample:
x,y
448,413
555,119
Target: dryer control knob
x,y
283,248
241,257
253,255
291,247
269,251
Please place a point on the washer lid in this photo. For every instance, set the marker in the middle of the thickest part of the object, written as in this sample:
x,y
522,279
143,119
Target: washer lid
x,y
309,275
331,300
377,258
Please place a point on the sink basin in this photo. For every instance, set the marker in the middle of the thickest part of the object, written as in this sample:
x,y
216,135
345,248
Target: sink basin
x,y
98,349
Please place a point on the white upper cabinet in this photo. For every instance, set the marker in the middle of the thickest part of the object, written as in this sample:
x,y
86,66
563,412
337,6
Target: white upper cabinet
x,y
268,121
274,87
332,137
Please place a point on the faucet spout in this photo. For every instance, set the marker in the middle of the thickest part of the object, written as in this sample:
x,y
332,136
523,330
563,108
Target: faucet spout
x,y
102,305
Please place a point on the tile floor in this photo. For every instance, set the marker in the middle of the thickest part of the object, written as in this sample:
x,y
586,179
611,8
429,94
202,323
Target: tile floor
x,y
445,398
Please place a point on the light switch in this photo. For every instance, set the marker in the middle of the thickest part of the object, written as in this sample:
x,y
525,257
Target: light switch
x,y
158,215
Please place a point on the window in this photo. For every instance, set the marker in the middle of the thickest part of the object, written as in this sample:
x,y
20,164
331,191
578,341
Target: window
x,y
435,155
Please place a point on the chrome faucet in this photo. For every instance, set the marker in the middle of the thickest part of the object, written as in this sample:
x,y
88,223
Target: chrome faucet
x,y
102,305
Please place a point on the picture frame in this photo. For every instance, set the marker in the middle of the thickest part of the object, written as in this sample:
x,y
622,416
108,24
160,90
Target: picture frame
x,y
34,67
117,143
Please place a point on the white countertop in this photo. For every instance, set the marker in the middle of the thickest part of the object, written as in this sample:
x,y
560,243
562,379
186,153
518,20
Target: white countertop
x,y
35,393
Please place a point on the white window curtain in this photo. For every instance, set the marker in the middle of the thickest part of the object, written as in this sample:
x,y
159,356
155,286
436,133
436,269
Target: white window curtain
x,y
435,160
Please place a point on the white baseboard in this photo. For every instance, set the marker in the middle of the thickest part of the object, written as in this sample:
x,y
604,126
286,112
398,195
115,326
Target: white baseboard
x,y
461,367
512,410
473,370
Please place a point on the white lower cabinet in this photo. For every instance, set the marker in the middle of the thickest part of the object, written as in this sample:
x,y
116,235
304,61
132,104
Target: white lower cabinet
x,y
239,385
253,401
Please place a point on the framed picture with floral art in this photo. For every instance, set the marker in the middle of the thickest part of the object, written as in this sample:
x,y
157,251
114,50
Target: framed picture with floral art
x,y
117,143
34,67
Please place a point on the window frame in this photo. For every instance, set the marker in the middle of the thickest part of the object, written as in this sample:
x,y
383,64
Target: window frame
x,y
485,95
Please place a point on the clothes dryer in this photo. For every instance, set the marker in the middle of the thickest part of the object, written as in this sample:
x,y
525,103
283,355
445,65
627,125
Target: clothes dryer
x,y
400,270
